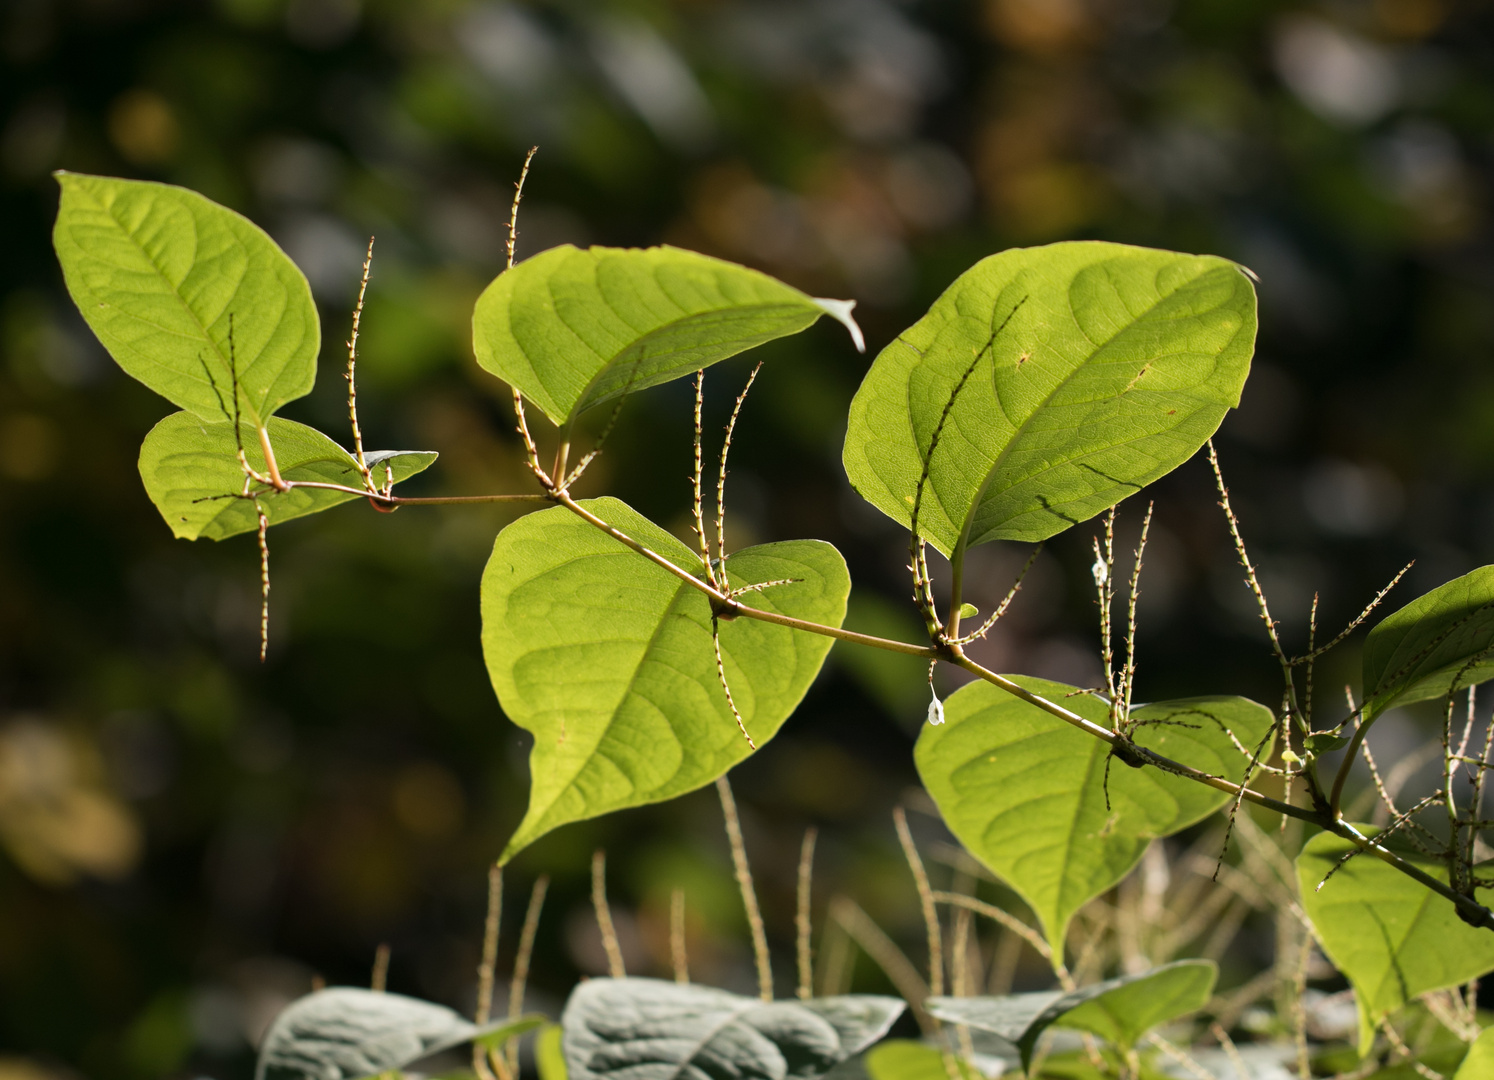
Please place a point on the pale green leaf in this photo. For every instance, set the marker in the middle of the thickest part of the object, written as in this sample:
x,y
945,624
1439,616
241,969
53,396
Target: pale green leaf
x,y
1023,791
501,1031
1437,640
346,1033
549,1058
607,659
1119,1010
192,473
157,271
1117,364
1479,1064
1390,935
649,1029
572,328
905,1059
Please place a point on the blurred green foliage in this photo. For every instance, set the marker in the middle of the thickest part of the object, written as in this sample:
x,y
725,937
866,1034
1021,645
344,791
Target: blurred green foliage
x,y
189,836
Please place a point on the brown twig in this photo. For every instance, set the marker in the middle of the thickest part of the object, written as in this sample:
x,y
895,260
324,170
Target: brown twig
x,y
749,894
925,901
679,959
379,980
604,915
802,925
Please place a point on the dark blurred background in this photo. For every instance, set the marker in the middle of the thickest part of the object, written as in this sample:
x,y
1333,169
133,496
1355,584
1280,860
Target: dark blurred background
x,y
188,837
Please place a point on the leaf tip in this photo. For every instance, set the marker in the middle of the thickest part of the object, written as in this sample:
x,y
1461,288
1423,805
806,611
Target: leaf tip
x,y
840,311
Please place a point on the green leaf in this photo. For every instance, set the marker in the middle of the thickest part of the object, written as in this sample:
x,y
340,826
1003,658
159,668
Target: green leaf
x,y
158,270
905,1059
607,659
500,1031
1117,364
1322,744
969,611
1118,1010
345,1033
571,329
649,1029
1479,1064
1392,937
1023,791
1444,637
192,473
549,1059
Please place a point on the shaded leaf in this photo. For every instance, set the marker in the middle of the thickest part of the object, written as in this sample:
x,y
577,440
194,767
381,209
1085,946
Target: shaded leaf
x,y
607,658
648,1029
1023,791
572,328
1117,364
192,473
157,270
1118,1010
1417,652
1392,937
346,1033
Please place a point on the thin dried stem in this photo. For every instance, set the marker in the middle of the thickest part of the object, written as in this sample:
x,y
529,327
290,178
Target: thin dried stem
x,y
695,498
1313,653
726,686
1128,676
749,894
731,426
679,959
865,932
838,961
1312,637
926,901
520,981
352,366
513,212
485,967
1003,918
1104,574
1182,1057
264,583
379,980
1406,1052
603,911
802,925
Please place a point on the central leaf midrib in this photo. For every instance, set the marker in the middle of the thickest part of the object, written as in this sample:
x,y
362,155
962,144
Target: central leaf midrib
x,y
175,293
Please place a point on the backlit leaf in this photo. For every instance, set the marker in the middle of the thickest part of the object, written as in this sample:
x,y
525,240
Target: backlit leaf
x,y
572,328
1391,936
1117,364
1479,1064
648,1029
157,271
192,473
1023,791
1419,651
606,658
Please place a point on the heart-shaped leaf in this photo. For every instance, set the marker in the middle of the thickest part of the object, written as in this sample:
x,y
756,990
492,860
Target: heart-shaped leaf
x,y
192,473
1024,791
905,1059
607,658
1393,938
1088,369
1444,637
572,328
648,1029
345,1033
159,271
1118,1010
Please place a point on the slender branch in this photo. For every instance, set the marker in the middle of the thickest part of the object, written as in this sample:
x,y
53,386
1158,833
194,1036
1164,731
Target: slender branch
x,y
679,959
865,932
264,583
352,366
802,925
520,979
731,427
926,901
1128,673
1006,601
749,894
731,702
379,980
1314,653
603,912
513,212
489,946
696,508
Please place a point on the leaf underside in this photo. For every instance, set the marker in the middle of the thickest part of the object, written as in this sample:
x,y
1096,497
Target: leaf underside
x,y
648,1029
1391,936
1023,790
192,473
1117,364
1438,642
157,271
573,328
607,659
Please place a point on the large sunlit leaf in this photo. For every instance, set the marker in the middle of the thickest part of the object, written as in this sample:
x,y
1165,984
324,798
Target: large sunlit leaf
x,y
192,473
648,1029
573,328
1391,936
345,1033
1119,1010
1117,364
1479,1064
157,271
1024,791
606,658
1443,637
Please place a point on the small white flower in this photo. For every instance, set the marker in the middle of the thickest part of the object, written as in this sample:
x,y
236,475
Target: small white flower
x,y
1101,572
936,711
